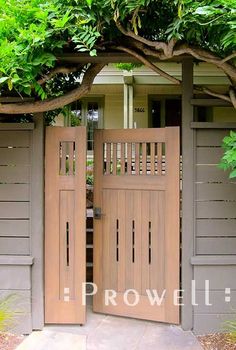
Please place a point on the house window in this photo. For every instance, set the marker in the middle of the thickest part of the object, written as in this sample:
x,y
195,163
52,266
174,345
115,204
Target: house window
x,y
164,111
90,114
92,117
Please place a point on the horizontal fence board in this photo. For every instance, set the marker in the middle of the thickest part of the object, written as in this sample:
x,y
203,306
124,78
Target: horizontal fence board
x,y
210,137
16,126
215,191
16,260
15,277
217,299
211,260
211,173
210,323
15,174
14,245
210,125
138,135
209,155
216,245
14,139
14,192
211,210
216,227
14,228
14,210
220,277
15,156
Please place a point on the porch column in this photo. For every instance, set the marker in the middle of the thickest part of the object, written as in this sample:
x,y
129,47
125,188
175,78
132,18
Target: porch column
x,y
187,192
128,100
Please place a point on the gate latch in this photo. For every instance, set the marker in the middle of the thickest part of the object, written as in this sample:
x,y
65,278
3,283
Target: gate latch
x,y
97,213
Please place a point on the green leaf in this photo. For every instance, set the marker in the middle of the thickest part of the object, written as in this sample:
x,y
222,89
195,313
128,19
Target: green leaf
x,y
27,90
10,85
89,2
232,174
3,79
93,52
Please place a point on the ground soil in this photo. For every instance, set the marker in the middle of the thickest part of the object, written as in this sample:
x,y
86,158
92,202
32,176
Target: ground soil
x,y
10,341
217,341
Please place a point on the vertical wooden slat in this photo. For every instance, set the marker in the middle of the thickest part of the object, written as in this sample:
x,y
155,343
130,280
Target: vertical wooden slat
x,y
152,158
159,158
121,214
122,158
114,159
71,157
144,158
129,217
137,215
106,198
129,158
63,158
145,268
108,160
157,219
137,158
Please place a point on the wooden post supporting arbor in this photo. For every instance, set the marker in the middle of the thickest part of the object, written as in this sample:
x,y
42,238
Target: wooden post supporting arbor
x,y
187,193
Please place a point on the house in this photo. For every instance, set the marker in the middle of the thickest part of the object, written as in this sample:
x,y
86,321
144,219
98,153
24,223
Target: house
x,y
137,100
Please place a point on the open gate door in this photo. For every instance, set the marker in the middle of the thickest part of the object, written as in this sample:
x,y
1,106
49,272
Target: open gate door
x,y
136,226
65,224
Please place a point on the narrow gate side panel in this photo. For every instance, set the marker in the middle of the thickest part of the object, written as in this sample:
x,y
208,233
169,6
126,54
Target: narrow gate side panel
x,y
64,237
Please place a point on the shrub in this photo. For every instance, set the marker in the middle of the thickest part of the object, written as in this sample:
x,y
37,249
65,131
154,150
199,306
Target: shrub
x,y
9,312
228,161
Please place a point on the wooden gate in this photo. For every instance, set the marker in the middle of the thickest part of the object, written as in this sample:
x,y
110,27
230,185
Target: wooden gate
x,y
136,226
65,218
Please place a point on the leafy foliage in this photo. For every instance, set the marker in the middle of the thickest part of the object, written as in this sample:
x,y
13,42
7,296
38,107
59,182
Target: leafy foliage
x,y
33,33
128,66
209,24
8,312
228,160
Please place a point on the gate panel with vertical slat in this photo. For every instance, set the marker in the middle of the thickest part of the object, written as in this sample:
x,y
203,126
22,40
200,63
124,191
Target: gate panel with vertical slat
x,y
65,224
136,226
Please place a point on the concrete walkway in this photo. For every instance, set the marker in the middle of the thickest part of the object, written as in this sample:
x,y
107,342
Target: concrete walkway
x,y
48,340
117,333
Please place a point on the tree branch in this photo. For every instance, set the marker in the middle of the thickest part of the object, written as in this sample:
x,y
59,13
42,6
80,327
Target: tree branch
x,y
157,45
232,96
146,62
55,71
58,102
212,93
208,57
169,51
228,58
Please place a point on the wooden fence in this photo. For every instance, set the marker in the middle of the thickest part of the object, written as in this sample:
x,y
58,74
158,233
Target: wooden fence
x,y
214,228
21,218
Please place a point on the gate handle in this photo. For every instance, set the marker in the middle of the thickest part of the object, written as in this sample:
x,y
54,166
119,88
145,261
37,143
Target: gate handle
x,y
97,214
